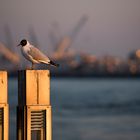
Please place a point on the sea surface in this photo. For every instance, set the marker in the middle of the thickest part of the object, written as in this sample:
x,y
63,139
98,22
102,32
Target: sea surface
x,y
89,109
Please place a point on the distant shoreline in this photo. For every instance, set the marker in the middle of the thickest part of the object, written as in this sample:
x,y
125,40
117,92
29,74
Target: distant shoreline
x,y
80,75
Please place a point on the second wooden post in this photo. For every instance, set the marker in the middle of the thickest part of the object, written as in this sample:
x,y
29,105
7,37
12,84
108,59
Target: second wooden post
x,y
34,108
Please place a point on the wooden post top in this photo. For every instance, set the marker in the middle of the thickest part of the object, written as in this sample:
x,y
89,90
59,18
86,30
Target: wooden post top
x,y
3,87
34,87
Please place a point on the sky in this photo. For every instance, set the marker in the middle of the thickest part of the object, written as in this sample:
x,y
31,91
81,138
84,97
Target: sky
x,y
113,26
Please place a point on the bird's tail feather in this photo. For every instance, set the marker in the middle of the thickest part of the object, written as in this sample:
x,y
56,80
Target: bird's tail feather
x,y
54,64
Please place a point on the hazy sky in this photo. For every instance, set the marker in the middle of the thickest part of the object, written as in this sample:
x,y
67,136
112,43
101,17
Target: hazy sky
x,y
113,26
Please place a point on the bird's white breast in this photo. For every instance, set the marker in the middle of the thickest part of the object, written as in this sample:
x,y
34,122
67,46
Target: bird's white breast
x,y
25,51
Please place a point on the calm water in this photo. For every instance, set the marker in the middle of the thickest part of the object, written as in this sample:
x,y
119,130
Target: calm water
x,y
90,109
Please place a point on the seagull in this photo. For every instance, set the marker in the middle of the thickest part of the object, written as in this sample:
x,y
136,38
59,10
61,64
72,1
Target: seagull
x,y
34,55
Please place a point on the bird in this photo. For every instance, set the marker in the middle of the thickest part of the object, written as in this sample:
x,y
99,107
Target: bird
x,y
34,55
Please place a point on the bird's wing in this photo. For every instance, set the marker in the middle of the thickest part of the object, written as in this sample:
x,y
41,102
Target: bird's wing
x,y
38,55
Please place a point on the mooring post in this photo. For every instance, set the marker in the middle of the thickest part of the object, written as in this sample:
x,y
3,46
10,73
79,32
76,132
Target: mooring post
x,y
4,107
34,108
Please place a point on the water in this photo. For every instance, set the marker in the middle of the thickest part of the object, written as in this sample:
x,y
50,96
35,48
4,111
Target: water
x,y
90,109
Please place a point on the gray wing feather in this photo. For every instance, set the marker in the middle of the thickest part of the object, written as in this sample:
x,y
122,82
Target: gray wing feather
x,y
38,55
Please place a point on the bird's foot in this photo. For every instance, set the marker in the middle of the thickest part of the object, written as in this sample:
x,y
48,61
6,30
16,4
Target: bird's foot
x,y
28,68
32,67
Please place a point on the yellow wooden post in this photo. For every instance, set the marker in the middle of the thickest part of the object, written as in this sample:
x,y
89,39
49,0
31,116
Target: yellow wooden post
x,y
4,108
34,108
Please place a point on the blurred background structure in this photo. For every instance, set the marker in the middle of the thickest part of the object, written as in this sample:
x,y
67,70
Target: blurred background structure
x,y
101,35
91,39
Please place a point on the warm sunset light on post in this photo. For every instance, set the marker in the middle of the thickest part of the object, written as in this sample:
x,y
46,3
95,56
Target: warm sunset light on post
x,y
4,108
34,109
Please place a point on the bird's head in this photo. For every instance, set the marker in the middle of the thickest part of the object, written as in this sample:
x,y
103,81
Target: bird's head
x,y
23,42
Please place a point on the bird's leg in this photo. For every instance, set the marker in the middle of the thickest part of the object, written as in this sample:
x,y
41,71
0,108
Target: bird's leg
x,y
49,67
32,66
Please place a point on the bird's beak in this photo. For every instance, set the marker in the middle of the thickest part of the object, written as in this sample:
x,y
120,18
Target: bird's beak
x,y
18,45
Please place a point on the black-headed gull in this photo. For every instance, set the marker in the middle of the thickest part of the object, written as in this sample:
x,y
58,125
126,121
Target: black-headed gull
x,y
34,55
